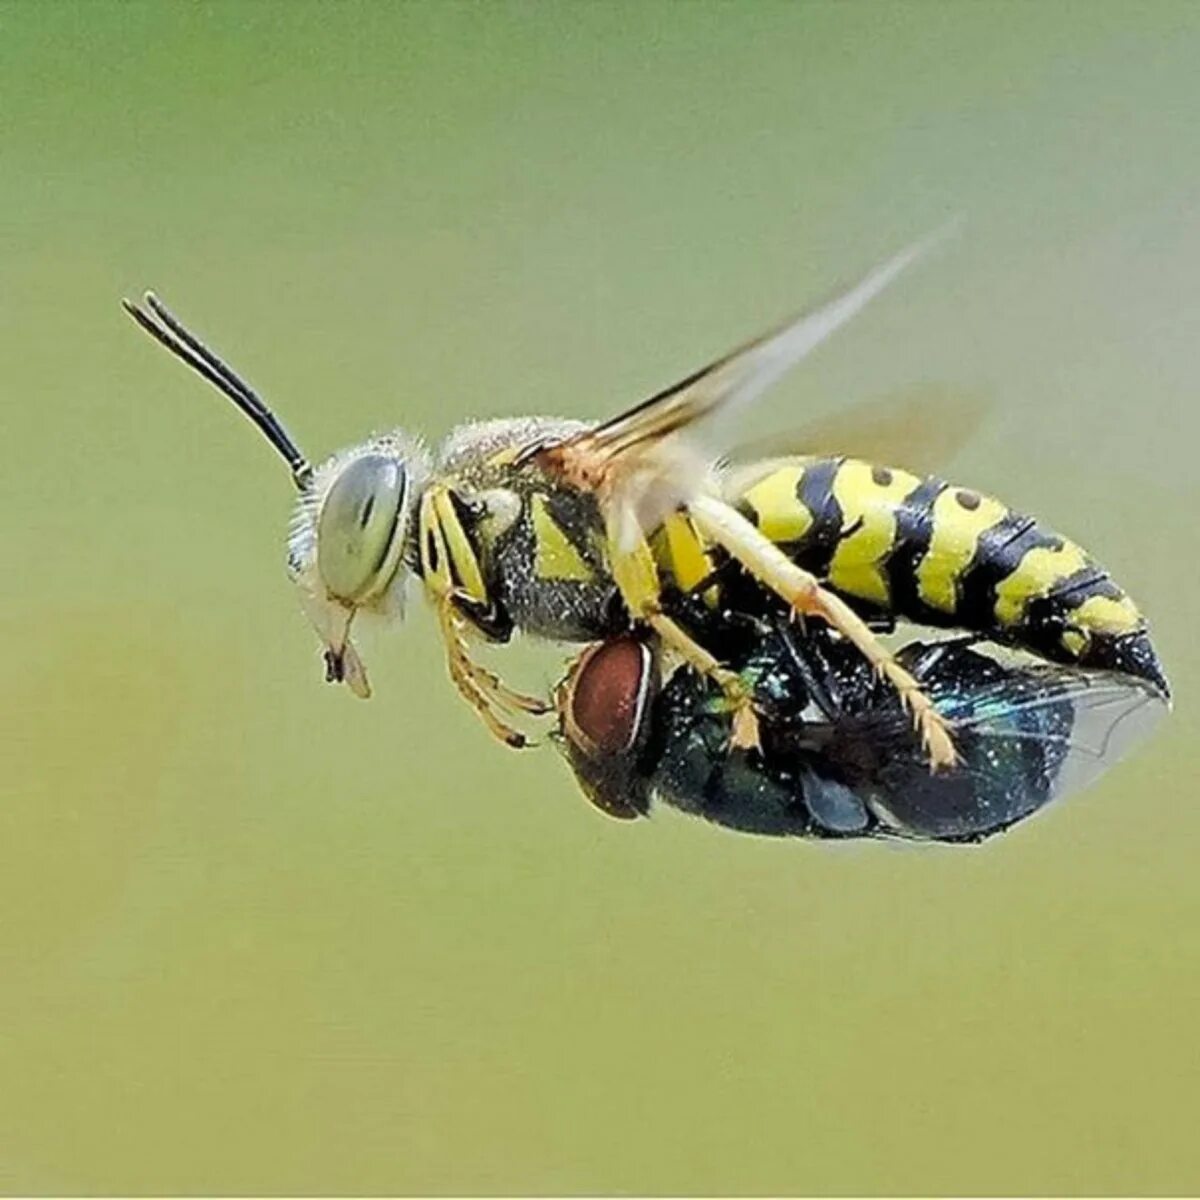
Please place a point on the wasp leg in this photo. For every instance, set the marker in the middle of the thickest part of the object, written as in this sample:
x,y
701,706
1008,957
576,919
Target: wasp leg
x,y
458,630
482,704
636,577
745,735
495,688
481,689
804,593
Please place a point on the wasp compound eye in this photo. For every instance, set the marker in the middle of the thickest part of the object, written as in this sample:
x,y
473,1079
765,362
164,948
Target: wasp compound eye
x,y
358,534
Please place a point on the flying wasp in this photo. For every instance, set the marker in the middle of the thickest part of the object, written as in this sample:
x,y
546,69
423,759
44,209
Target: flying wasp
x,y
576,533
839,758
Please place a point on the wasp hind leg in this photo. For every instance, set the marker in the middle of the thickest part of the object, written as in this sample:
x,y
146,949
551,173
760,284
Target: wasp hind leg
x,y
804,593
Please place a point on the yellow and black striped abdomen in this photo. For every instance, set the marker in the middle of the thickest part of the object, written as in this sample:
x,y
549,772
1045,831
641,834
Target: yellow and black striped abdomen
x,y
925,550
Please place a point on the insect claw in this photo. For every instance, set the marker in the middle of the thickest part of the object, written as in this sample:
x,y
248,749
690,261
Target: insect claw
x,y
531,705
939,745
746,734
936,739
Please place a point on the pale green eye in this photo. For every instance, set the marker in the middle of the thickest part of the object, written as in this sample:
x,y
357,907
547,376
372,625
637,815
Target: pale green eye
x,y
357,526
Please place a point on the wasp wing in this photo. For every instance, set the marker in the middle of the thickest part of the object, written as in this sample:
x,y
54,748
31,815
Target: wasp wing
x,y
916,428
1025,735
738,378
649,465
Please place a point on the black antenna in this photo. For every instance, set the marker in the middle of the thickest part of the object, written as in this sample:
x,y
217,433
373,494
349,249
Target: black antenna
x,y
170,332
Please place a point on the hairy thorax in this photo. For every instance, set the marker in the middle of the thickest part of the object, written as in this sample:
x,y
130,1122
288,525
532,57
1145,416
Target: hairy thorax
x,y
539,541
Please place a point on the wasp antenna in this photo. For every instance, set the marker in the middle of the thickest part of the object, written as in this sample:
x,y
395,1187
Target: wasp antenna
x,y
172,334
189,339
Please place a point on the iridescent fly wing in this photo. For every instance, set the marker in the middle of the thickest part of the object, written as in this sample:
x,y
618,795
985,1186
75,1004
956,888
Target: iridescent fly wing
x,y
1026,736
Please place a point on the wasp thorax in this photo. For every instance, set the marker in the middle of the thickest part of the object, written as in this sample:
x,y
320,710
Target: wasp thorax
x,y
359,534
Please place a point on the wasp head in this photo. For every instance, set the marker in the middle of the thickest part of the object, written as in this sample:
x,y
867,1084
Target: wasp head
x,y
351,543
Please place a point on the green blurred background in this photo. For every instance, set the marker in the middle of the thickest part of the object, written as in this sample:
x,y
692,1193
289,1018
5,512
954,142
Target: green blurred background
x,y
256,936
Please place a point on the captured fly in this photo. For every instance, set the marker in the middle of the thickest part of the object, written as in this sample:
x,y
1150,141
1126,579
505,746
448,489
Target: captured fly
x,y
839,757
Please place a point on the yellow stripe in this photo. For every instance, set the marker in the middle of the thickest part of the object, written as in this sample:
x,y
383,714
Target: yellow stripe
x,y
634,569
435,559
954,538
779,514
868,497
1103,614
467,576
555,557
1074,642
683,553
1037,573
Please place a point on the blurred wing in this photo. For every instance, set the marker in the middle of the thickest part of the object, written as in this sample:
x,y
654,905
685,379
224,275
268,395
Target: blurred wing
x,y
740,377
917,429
1030,737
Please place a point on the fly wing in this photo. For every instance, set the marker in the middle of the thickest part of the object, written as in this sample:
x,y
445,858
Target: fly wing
x,y
1110,715
1025,735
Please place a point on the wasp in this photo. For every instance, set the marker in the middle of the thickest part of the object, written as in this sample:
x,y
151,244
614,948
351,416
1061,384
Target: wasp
x,y
575,533
838,756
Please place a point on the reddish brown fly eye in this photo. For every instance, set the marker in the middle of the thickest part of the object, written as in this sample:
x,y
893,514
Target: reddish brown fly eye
x,y
610,687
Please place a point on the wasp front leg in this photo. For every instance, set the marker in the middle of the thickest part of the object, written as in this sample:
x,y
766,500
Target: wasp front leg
x,y
804,593
454,579
492,699
636,576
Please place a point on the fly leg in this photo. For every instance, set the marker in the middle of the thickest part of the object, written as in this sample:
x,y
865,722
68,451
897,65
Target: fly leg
x,y
804,593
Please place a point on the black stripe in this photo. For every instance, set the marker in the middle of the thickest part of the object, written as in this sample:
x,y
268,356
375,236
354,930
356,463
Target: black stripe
x,y
1130,653
431,551
814,490
815,550
914,529
812,552
1090,580
997,556
1046,617
578,517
